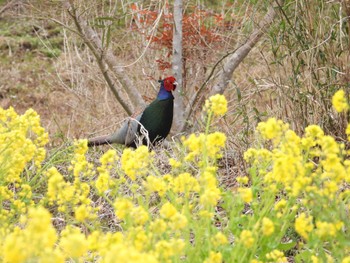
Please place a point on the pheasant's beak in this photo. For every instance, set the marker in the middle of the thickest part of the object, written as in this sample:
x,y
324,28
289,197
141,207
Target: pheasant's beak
x,y
175,84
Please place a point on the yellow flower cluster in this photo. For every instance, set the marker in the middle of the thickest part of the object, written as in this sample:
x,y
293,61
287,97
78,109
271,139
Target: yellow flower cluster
x,y
246,238
210,192
216,104
276,256
246,194
209,145
303,225
183,215
272,129
21,141
214,257
268,227
104,182
136,162
36,240
340,102
326,229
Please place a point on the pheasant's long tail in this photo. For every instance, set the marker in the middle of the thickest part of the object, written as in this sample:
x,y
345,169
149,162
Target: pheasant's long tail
x,y
99,141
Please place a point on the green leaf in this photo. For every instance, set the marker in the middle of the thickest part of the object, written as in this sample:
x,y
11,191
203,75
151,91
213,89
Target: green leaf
x,y
303,256
286,246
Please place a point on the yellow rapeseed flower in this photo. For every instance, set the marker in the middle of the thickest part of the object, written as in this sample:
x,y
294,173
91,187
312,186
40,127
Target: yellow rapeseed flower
x,y
303,225
158,226
219,239
347,131
167,249
272,129
276,256
167,211
174,163
339,101
246,194
122,207
139,215
136,162
246,238
280,205
326,229
73,243
217,104
126,253
38,232
156,184
84,212
242,179
267,226
178,221
214,257
185,183
210,196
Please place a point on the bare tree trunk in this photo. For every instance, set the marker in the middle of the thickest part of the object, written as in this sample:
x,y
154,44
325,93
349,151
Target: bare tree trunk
x,y
233,59
237,57
107,62
179,119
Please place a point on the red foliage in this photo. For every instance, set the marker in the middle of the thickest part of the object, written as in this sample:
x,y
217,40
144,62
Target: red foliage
x,y
197,33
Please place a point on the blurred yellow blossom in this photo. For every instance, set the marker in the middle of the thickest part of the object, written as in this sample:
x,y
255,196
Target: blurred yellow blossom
x,y
217,104
156,184
139,215
246,238
73,243
185,183
122,207
167,249
38,232
167,211
276,256
272,129
158,226
267,227
339,101
327,229
214,257
219,239
174,163
303,225
246,194
136,162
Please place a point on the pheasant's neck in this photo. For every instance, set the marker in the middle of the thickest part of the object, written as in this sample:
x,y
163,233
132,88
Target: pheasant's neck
x,y
163,94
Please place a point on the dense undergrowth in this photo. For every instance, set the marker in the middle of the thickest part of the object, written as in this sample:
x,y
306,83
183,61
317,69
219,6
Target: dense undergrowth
x,y
293,203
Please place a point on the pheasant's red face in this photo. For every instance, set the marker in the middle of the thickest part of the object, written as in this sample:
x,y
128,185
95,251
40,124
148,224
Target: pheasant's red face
x,y
170,83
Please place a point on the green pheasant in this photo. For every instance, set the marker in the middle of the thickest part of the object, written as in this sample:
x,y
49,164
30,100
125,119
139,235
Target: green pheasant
x,y
151,126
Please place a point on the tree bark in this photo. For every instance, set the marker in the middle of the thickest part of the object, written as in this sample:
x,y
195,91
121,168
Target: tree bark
x,y
177,66
237,57
233,59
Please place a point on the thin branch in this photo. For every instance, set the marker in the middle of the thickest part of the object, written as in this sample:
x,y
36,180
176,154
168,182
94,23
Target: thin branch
x,y
105,56
8,5
234,58
100,63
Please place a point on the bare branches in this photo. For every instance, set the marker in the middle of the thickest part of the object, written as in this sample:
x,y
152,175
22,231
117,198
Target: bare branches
x,y
107,63
7,6
237,57
233,59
